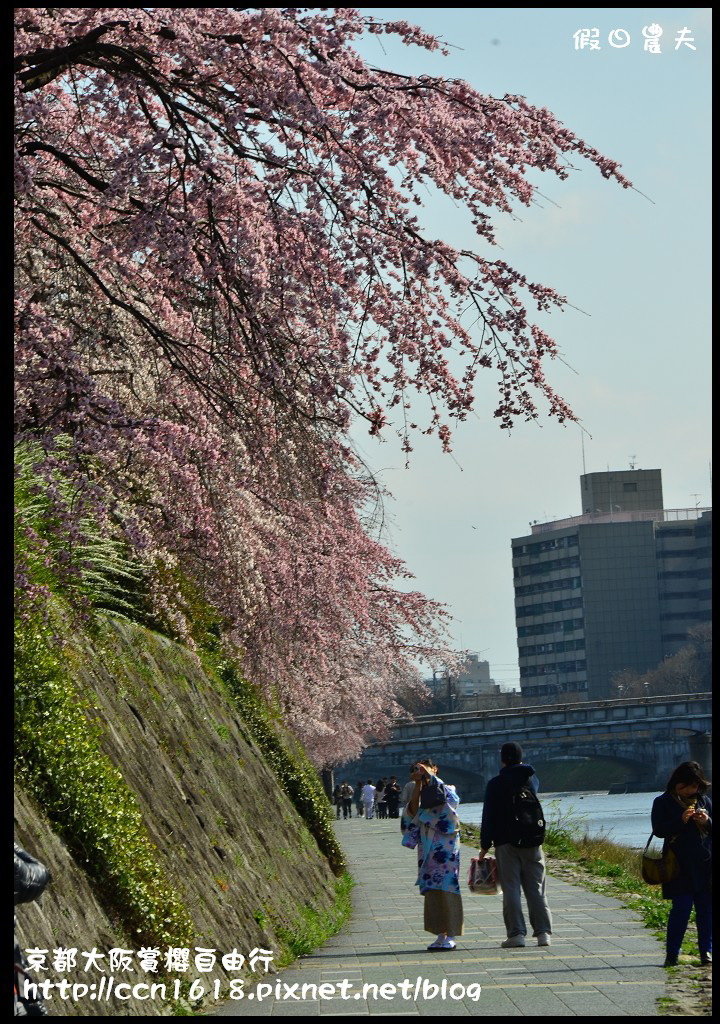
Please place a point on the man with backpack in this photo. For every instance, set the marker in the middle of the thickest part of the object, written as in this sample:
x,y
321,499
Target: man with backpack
x,y
514,822
346,792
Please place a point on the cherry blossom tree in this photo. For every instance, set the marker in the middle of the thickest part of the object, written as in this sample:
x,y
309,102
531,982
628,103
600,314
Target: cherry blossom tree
x,y
221,266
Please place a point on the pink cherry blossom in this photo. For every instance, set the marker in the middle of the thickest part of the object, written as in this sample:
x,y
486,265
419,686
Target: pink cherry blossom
x,y
221,266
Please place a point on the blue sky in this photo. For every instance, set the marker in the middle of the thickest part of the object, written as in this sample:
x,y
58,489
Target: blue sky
x,y
637,359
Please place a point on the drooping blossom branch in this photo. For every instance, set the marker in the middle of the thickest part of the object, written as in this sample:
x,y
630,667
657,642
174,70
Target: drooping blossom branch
x,y
221,264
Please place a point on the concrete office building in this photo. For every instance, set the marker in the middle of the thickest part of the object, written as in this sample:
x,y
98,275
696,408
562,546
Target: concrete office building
x,y
474,678
471,680
615,588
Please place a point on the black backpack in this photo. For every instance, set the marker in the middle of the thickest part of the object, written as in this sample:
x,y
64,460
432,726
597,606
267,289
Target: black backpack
x,y
526,816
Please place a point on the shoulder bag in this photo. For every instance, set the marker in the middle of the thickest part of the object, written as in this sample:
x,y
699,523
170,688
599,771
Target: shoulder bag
x,y
657,870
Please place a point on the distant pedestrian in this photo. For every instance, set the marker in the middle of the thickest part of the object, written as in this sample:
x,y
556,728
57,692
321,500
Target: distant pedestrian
x,y
368,795
380,804
430,823
337,800
359,798
518,848
682,816
346,792
406,793
392,797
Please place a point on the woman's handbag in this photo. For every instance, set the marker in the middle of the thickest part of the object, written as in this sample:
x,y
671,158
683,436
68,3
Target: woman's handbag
x,y
483,876
659,870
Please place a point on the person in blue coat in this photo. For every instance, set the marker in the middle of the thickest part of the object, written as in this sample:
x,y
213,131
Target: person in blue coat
x,y
682,816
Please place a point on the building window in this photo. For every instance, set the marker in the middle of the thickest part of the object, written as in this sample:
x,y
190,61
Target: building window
x,y
553,565
548,607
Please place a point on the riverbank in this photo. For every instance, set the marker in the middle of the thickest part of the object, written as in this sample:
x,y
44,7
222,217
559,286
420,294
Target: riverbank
x,y
623,819
688,986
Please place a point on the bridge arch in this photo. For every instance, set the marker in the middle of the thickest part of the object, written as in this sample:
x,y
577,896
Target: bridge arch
x,y
643,737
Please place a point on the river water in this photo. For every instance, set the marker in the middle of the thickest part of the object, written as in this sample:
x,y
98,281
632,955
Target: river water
x,y
624,818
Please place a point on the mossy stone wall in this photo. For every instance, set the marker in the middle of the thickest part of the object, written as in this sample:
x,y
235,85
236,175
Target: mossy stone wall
x,y
228,839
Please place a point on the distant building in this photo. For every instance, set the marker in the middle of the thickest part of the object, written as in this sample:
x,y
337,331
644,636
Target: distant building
x,y
630,490
615,588
472,680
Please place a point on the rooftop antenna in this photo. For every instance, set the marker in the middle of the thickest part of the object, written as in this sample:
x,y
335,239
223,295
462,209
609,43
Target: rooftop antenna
x,y
698,499
632,461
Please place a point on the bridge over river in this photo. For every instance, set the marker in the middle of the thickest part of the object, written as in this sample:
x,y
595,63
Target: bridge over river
x,y
646,736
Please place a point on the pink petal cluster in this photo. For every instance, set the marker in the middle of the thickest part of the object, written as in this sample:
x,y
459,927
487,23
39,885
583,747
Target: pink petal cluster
x,y
220,265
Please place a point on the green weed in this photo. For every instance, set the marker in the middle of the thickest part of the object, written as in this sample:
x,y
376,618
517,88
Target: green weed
x,y
60,761
311,928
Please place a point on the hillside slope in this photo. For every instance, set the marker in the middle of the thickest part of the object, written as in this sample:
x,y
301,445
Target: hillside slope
x,y
229,842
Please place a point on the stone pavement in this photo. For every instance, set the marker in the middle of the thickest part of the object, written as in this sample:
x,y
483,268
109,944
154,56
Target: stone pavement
x,y
602,963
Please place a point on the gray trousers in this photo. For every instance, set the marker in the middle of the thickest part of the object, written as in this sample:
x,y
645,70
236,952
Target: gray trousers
x,y
523,869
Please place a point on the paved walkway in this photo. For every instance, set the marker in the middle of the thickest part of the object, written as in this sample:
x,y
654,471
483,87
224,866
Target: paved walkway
x,y
602,963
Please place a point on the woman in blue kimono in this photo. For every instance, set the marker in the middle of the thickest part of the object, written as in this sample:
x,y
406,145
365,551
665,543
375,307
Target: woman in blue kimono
x,y
430,823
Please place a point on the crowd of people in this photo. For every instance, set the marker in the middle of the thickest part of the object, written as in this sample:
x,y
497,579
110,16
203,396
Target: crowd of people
x,y
513,825
381,798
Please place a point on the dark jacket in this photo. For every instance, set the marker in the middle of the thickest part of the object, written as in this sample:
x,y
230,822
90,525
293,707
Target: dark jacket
x,y
31,876
392,794
497,821
692,848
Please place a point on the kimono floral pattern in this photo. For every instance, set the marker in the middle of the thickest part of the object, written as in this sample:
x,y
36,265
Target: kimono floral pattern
x,y
436,834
